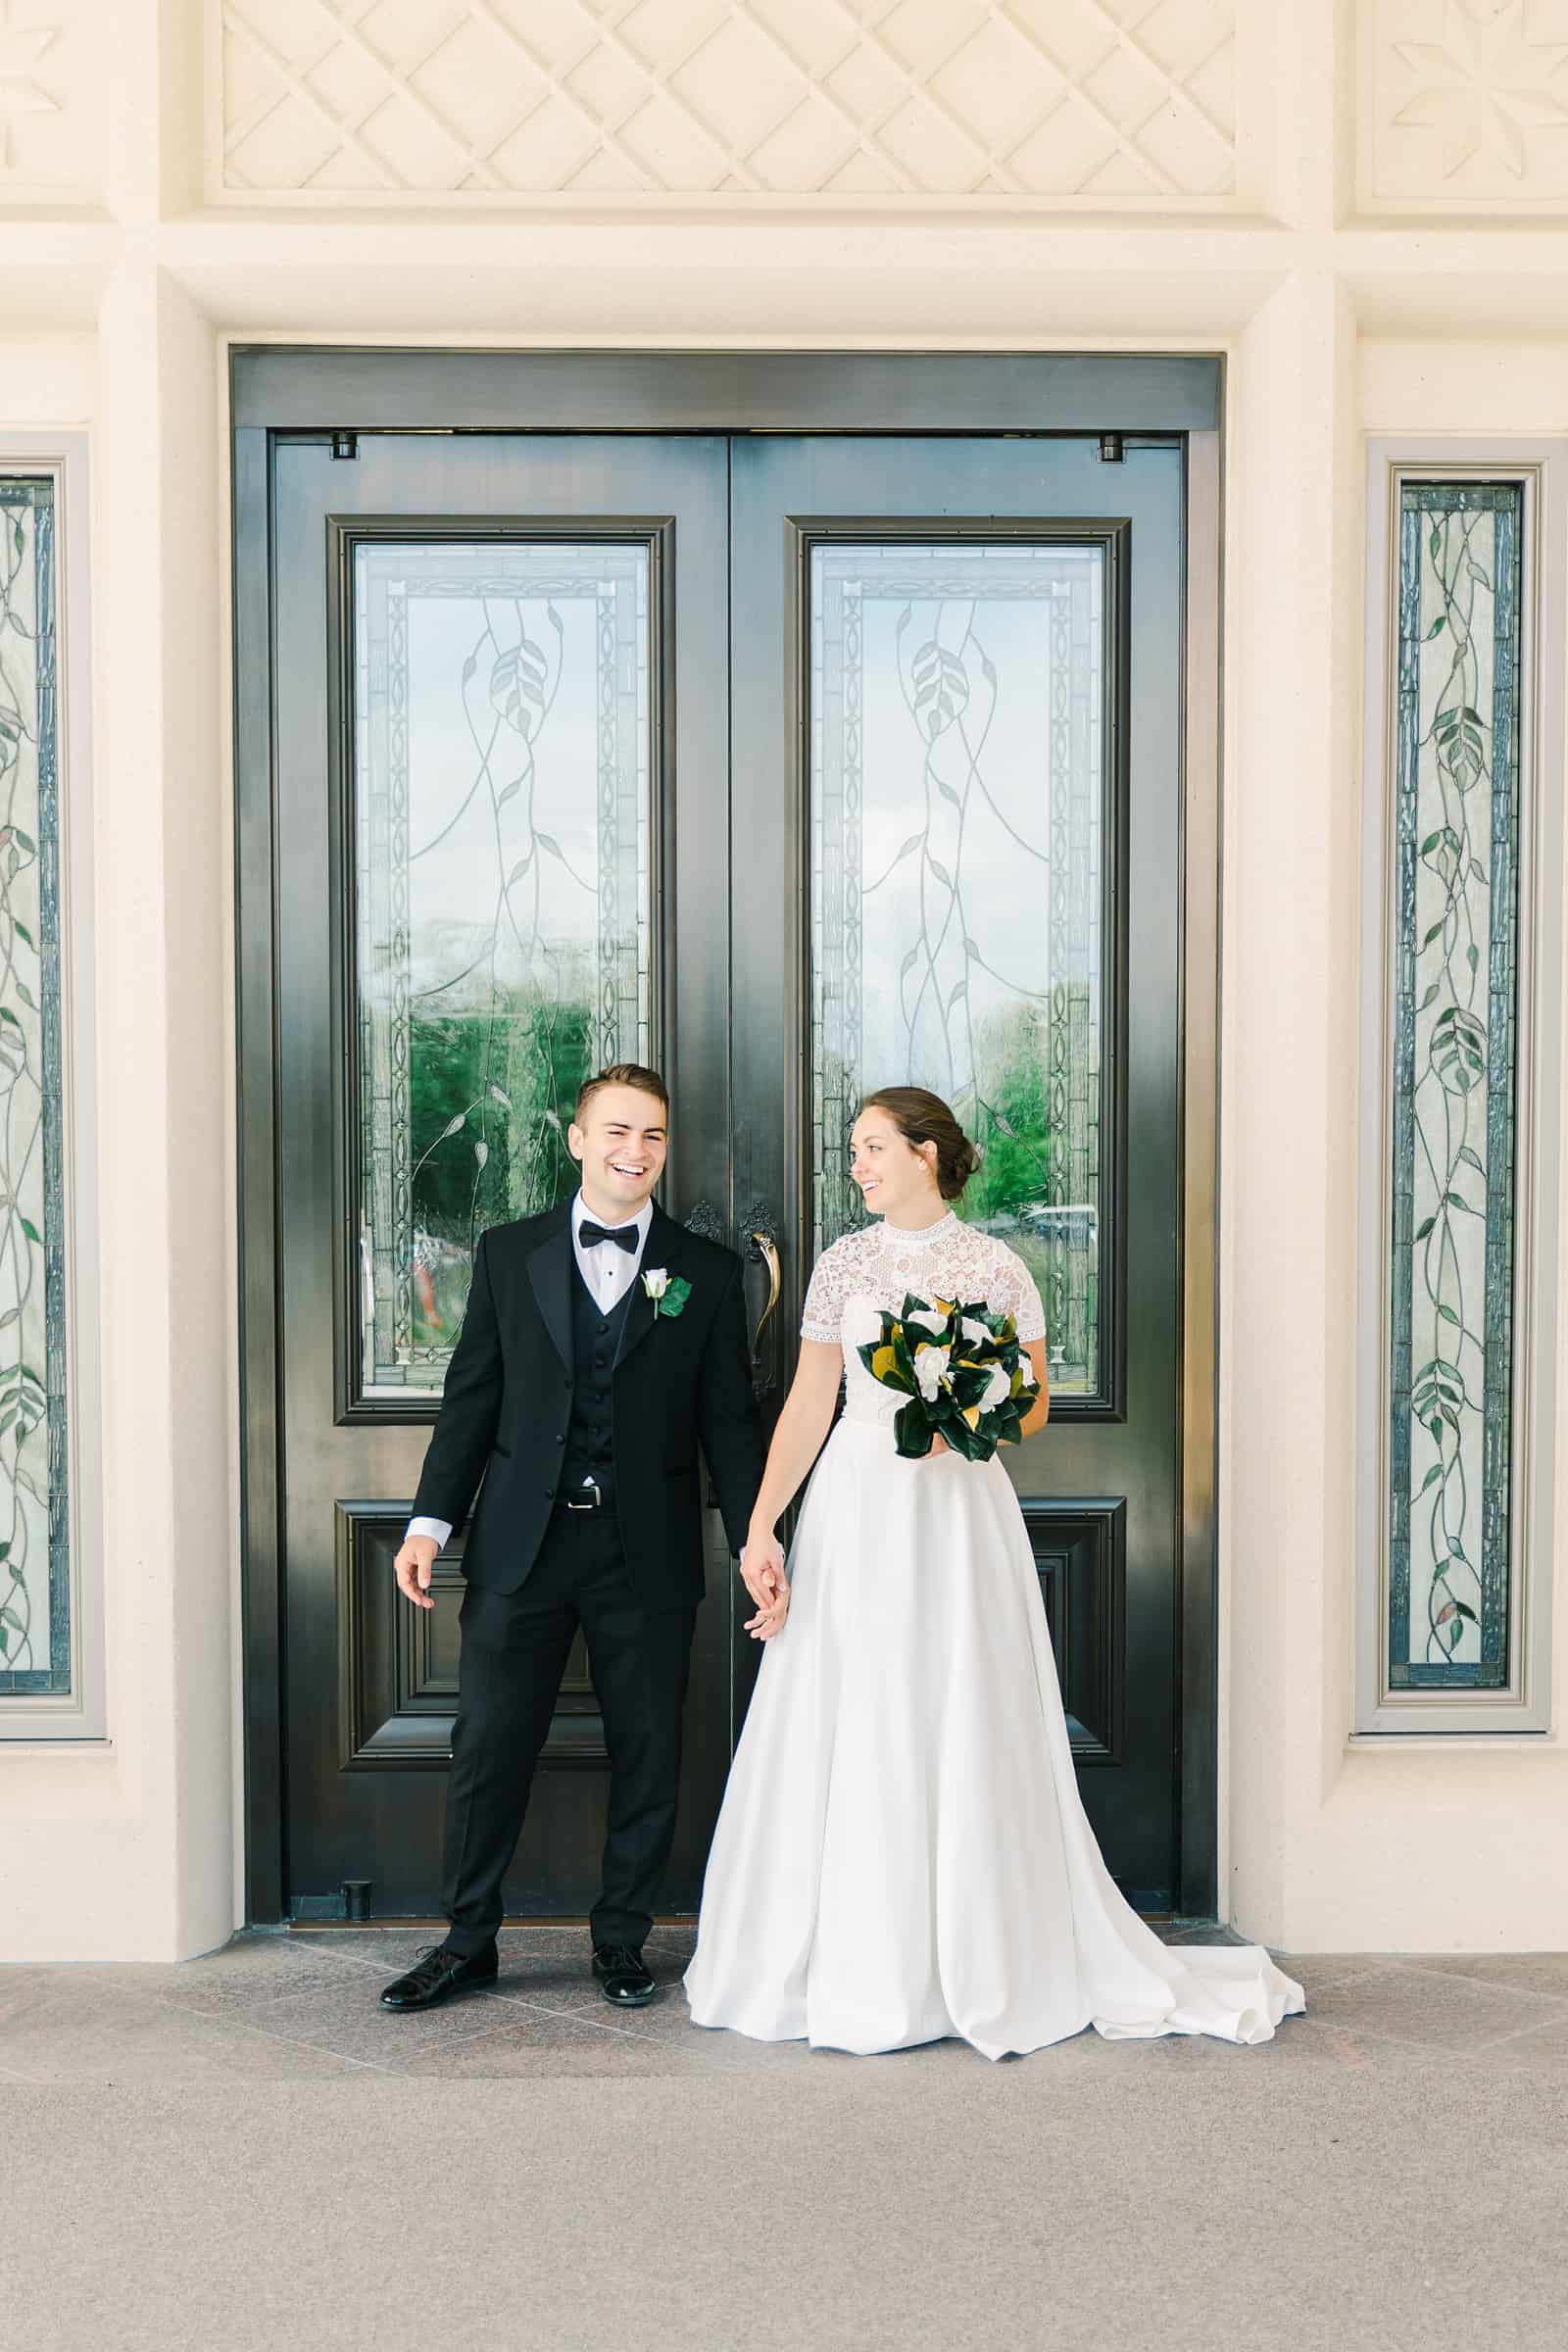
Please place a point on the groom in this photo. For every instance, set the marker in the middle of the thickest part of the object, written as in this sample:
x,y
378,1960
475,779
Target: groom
x,y
601,1342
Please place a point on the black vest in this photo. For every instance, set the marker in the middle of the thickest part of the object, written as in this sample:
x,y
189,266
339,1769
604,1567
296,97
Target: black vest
x,y
595,1336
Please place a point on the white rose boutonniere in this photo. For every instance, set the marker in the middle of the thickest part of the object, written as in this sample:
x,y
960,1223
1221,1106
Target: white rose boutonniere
x,y
668,1292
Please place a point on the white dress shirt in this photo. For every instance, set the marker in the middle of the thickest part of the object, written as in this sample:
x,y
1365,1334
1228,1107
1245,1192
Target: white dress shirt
x,y
610,1271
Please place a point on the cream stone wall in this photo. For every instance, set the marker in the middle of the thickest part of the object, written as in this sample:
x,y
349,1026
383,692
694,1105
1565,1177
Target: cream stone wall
x,y
1358,208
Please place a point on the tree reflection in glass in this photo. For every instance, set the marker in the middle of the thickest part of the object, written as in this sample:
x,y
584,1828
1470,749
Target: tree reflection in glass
x,y
957,796
501,781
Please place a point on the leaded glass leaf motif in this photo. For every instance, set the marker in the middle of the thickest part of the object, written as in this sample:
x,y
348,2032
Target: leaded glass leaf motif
x,y
501,791
958,810
1455,1002
34,1525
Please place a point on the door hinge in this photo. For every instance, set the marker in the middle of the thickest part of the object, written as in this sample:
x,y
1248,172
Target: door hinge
x,y
345,445
1110,452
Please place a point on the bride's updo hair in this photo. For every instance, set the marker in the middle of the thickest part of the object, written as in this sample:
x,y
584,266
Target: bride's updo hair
x,y
922,1117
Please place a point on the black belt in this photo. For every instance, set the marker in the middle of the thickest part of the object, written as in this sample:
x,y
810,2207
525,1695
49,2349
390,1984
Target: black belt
x,y
595,1496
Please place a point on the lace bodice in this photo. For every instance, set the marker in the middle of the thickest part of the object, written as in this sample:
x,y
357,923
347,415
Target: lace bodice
x,y
870,1272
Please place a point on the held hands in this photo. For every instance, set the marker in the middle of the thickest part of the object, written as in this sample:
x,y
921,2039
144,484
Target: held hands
x,y
763,1568
413,1567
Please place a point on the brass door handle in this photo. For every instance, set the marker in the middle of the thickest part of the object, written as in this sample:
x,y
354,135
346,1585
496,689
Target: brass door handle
x,y
767,1248
763,1252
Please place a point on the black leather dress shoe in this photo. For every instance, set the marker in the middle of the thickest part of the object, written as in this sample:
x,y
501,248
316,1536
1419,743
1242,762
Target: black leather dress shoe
x,y
437,1973
622,1978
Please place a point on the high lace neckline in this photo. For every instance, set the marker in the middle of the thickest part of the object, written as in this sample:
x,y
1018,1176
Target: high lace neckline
x,y
912,1237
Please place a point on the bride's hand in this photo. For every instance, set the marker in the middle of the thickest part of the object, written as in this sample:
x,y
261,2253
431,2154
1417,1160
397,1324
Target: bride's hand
x,y
939,1444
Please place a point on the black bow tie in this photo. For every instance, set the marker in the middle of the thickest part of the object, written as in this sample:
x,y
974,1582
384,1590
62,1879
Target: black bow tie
x,y
624,1236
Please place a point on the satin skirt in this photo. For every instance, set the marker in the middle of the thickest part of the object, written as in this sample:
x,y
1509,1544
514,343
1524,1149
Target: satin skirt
x,y
901,1853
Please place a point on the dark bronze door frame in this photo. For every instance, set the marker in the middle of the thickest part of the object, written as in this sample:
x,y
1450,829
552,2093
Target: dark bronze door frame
x,y
329,398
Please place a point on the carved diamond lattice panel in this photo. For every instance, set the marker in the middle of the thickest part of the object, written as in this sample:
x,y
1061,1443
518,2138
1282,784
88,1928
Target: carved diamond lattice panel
x,y
1469,106
52,89
1050,102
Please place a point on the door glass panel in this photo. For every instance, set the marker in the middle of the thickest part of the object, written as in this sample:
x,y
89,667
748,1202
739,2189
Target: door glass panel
x,y
958,765
35,1632
1455,1009
501,734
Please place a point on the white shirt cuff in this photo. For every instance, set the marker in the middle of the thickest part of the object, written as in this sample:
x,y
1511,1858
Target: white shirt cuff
x,y
441,1529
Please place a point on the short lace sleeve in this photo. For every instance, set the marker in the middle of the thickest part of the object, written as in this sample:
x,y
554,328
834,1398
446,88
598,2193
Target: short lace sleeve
x,y
822,1317
1021,1294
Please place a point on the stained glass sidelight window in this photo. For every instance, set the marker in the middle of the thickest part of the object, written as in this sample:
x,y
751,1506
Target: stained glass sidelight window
x,y
501,811
35,1632
1455,939
958,763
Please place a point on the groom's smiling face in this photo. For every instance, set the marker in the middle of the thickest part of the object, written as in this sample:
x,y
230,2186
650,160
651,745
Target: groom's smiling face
x,y
621,1142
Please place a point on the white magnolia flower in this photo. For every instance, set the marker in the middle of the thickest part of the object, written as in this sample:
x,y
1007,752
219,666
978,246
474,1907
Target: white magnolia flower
x,y
972,1330
1026,1373
931,1371
998,1388
928,1319
656,1282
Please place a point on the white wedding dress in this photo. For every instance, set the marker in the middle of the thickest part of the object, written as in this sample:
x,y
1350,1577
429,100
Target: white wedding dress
x,y
901,1853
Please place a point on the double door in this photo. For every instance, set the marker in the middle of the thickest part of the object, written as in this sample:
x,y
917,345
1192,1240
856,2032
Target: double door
x,y
794,766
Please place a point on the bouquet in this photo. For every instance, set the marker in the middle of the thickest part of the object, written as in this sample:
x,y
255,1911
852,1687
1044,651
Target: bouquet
x,y
962,1370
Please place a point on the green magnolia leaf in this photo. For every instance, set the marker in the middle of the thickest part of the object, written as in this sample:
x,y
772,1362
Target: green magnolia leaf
x,y
911,1432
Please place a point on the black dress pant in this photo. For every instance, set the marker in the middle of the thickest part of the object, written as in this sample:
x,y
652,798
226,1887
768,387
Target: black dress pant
x,y
514,1652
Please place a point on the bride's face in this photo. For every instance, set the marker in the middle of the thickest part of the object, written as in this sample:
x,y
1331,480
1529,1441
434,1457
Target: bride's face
x,y
892,1174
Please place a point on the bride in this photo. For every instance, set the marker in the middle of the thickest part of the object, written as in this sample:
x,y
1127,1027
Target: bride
x,y
901,1853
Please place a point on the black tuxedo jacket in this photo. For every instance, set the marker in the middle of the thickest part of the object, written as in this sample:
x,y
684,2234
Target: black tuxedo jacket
x,y
677,1380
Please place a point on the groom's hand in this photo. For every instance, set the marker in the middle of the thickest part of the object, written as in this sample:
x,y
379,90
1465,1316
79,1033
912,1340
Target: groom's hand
x,y
413,1567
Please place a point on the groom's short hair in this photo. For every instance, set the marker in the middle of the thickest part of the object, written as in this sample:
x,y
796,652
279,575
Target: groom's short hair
x,y
623,1073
